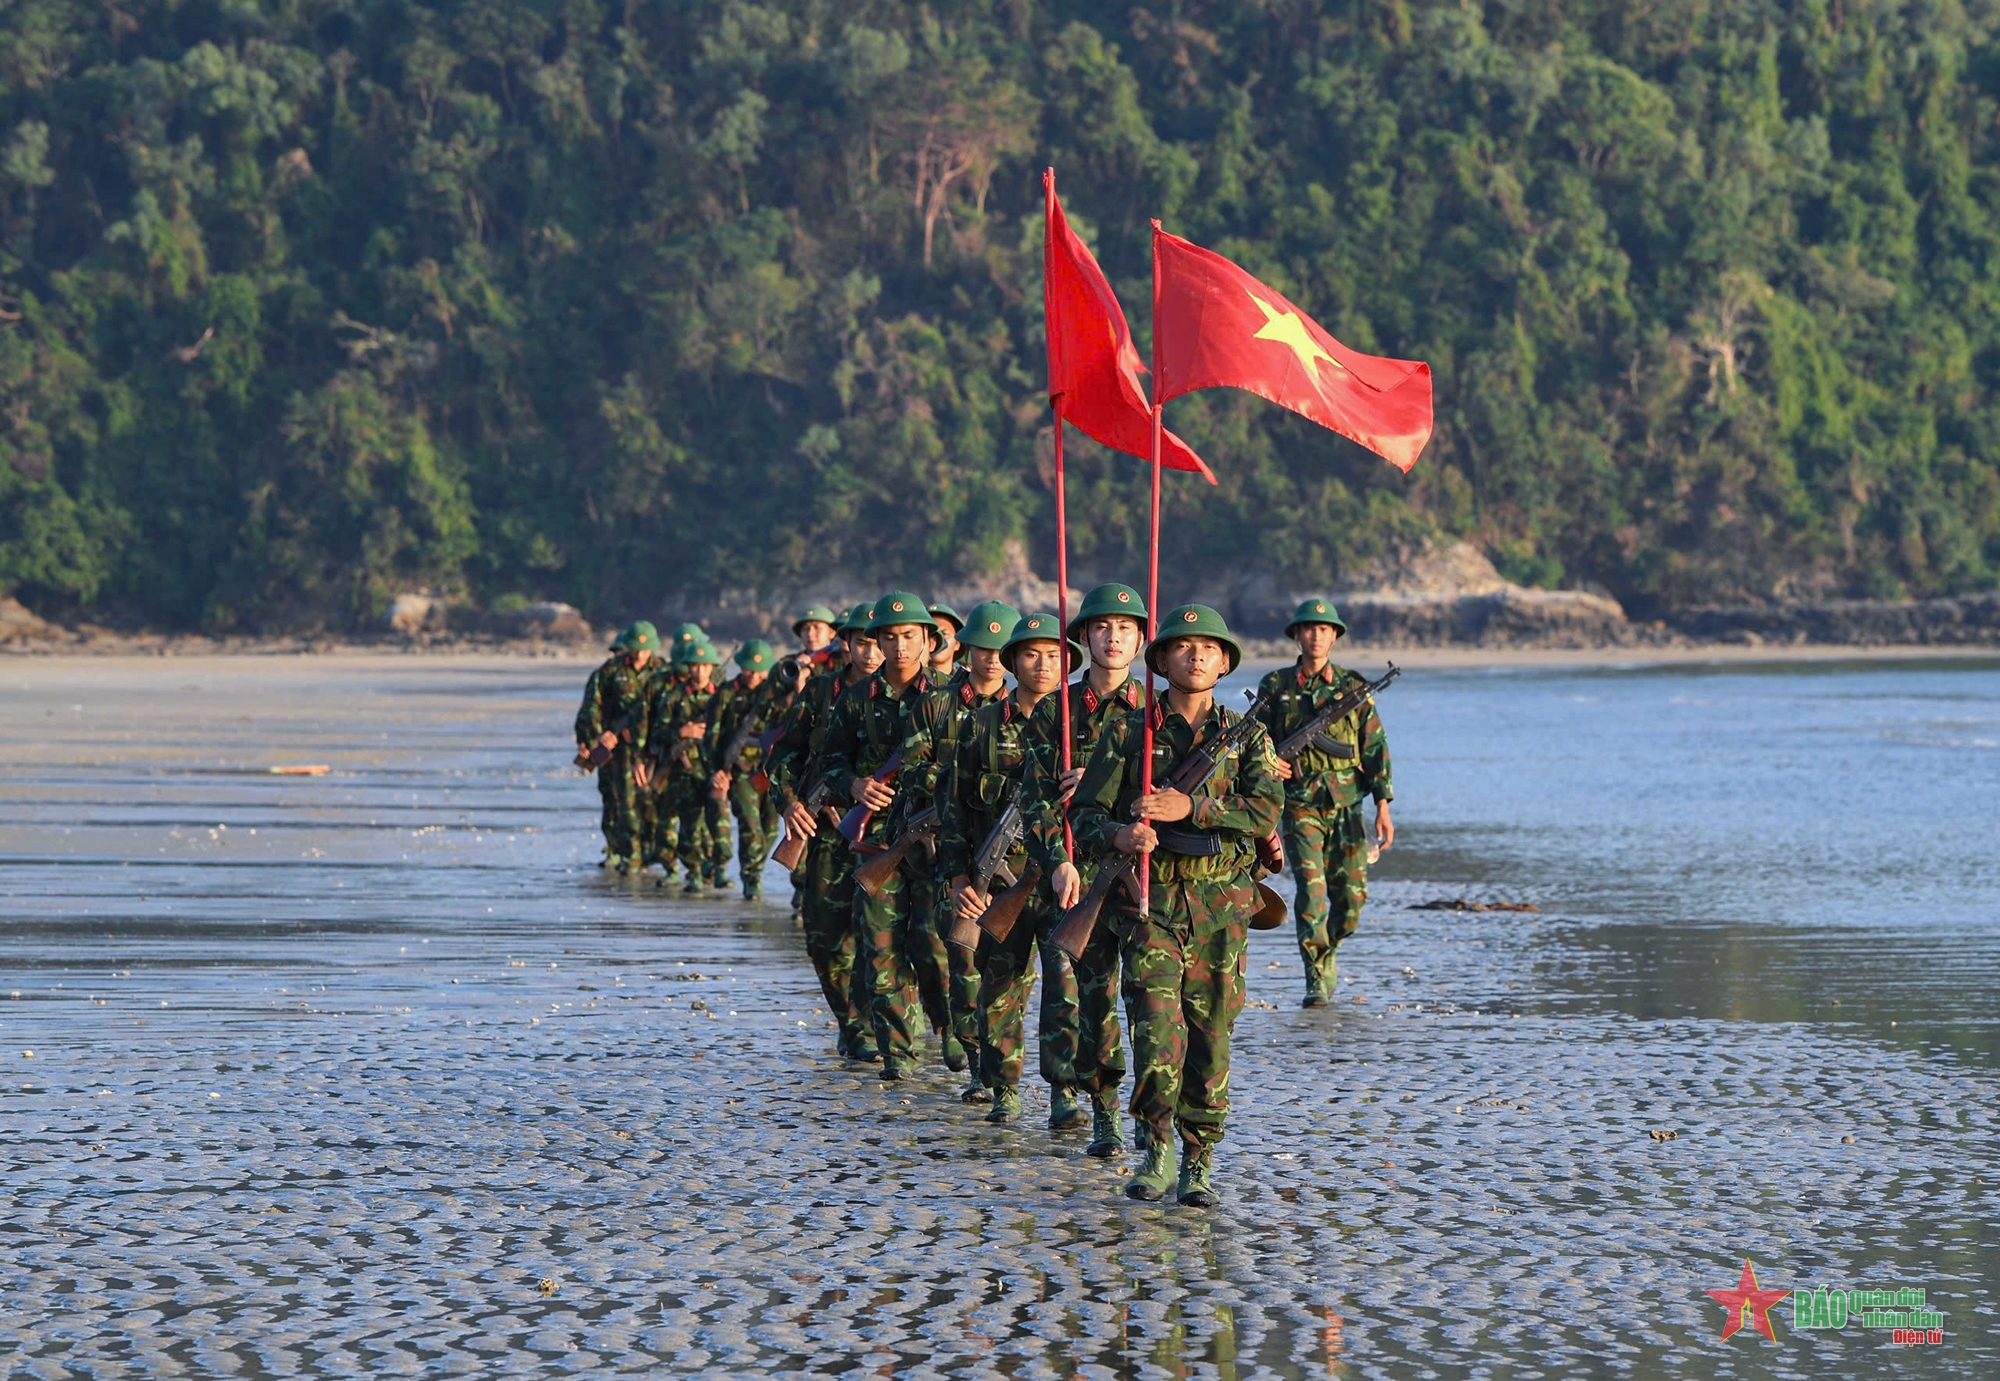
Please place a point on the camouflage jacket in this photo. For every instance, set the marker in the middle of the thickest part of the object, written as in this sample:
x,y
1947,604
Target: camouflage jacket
x,y
869,723
1237,806
1041,798
938,726
735,703
615,698
676,701
993,757
794,763
1349,760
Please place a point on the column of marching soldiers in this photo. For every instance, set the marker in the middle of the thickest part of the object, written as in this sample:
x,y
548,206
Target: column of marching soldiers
x,y
938,846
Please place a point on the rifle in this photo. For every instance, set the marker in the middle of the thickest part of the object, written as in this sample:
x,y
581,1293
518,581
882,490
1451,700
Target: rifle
x,y
1332,713
1072,933
740,740
991,862
854,824
793,846
874,874
596,755
1005,909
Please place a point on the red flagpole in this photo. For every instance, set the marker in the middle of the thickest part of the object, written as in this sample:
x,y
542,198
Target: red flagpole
x,y
1062,506
1152,590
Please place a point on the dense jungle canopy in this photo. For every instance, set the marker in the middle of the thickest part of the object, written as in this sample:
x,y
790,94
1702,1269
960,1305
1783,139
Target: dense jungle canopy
x,y
309,301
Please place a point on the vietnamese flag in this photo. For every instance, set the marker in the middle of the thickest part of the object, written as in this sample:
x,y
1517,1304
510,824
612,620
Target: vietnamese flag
x,y
1216,326
1093,365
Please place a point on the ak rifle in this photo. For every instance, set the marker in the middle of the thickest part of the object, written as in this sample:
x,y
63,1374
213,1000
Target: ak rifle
x,y
732,751
1004,910
792,847
1072,933
1332,713
854,824
874,874
594,755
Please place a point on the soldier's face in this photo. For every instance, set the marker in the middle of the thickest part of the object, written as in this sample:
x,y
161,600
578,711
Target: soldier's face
x,y
1114,640
639,656
1195,664
904,647
984,664
754,679
702,672
1316,640
1038,667
815,634
863,654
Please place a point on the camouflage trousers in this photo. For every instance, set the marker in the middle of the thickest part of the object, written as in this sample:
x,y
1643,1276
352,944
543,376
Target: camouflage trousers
x,y
826,878
891,935
1328,850
756,829
930,956
1184,983
1078,1037
701,829
662,832
962,986
623,802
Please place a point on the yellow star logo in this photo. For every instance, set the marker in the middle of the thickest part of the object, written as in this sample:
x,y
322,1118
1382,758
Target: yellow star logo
x,y
1286,329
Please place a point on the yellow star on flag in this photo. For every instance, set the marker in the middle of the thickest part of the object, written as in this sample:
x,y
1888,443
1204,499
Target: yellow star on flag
x,y
1286,329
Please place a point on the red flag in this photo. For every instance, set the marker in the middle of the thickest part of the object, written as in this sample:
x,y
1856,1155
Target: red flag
x,y
1093,366
1216,326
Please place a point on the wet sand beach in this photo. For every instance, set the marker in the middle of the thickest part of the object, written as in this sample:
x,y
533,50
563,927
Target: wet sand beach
x,y
377,1072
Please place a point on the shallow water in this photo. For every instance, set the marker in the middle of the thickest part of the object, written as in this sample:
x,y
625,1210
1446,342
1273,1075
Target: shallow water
x,y
330,1073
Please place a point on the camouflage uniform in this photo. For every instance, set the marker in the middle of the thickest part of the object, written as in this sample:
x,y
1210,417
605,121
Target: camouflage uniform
x,y
990,762
1325,836
1080,1035
614,698
1184,962
825,876
947,978
751,804
682,779
870,721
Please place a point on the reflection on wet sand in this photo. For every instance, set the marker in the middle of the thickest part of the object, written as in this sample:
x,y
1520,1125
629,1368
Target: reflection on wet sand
x,y
330,1074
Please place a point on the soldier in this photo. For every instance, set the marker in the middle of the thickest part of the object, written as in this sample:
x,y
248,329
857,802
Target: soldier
x,y
989,770
1080,999
948,977
613,716
678,722
737,720
870,722
813,629
944,658
825,875
1324,833
1184,959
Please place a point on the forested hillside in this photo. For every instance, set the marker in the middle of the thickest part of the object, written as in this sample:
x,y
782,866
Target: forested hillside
x,y
308,301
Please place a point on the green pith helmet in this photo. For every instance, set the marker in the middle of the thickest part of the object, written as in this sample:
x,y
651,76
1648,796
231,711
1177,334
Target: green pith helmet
x,y
989,624
637,637
1036,628
756,655
1108,599
1315,610
855,620
819,613
686,635
939,612
702,653
900,606
1192,621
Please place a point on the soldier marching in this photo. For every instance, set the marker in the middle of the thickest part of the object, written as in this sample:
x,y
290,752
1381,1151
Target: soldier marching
x,y
907,767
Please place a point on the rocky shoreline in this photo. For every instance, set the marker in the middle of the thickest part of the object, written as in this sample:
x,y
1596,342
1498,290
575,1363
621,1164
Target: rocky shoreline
x,y
1447,599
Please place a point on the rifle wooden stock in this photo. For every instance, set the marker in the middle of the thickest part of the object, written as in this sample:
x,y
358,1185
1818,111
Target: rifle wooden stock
x,y
963,933
792,847
874,874
1004,910
854,824
1072,933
